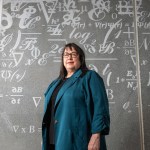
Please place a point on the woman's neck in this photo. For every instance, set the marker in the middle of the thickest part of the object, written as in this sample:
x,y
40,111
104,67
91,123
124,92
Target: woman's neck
x,y
69,73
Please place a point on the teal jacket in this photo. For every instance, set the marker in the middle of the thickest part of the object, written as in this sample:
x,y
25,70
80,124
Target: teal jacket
x,y
81,109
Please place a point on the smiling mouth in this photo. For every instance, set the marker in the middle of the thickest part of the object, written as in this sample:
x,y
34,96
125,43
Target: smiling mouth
x,y
70,62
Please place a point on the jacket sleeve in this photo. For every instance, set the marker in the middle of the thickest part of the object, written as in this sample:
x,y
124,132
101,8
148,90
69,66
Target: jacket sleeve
x,y
99,107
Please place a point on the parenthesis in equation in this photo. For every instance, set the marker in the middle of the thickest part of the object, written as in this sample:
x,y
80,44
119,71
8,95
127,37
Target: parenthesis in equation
x,y
15,73
4,64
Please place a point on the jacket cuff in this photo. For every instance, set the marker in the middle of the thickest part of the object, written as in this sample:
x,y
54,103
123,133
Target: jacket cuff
x,y
101,125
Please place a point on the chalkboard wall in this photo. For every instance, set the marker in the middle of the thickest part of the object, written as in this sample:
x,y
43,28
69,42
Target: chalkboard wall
x,y
115,36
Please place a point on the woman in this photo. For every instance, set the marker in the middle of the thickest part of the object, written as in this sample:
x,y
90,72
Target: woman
x,y
76,111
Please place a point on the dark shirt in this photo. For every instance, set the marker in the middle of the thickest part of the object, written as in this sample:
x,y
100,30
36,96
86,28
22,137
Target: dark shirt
x,y
51,108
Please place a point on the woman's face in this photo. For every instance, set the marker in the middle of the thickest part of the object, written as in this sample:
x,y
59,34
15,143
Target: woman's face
x,y
71,60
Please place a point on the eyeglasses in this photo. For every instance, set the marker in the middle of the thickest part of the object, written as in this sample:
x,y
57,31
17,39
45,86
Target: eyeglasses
x,y
73,55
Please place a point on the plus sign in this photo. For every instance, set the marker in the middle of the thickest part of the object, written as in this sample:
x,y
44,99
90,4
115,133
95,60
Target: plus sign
x,y
129,33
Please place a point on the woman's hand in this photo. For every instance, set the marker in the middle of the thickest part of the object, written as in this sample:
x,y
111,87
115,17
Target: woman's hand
x,y
94,143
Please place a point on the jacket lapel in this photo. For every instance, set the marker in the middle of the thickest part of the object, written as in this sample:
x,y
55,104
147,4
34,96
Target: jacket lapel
x,y
68,83
50,90
48,95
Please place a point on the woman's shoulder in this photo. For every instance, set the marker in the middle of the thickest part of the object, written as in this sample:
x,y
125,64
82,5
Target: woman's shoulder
x,y
92,74
54,81
50,85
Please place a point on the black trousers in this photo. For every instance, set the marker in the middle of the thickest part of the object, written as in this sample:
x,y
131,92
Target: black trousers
x,y
51,147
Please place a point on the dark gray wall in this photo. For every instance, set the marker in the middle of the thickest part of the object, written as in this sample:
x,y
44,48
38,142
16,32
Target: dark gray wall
x,y
32,35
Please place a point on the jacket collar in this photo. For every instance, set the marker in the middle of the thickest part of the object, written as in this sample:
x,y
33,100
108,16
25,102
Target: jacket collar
x,y
67,84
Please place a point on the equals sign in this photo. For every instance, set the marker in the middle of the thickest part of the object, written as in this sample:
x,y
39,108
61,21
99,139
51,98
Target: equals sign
x,y
39,129
1,95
